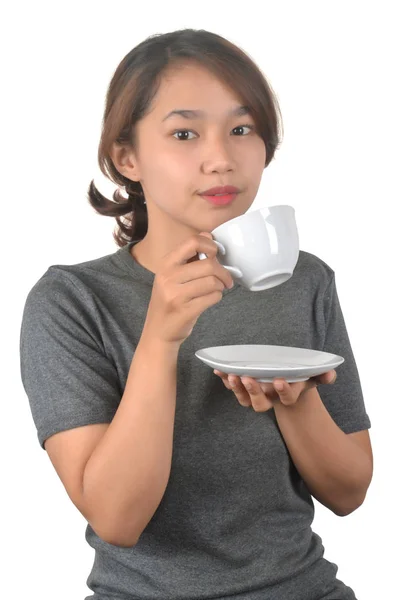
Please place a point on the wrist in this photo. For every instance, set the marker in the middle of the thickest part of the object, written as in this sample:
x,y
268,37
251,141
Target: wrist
x,y
158,346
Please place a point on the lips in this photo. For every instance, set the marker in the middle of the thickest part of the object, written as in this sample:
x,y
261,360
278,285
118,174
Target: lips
x,y
223,190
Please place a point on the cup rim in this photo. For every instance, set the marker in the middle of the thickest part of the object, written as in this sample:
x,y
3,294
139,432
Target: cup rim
x,y
275,206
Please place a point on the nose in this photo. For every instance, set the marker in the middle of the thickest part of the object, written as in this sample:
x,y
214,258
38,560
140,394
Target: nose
x,y
218,158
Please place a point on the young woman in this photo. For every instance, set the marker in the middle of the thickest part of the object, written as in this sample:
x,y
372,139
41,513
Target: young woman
x,y
192,491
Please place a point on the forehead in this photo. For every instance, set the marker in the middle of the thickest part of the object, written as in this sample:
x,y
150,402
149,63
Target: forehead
x,y
193,87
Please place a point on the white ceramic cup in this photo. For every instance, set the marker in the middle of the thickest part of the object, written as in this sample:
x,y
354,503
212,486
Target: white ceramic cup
x,y
260,248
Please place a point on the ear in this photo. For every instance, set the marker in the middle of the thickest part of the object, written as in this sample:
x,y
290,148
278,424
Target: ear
x,y
125,161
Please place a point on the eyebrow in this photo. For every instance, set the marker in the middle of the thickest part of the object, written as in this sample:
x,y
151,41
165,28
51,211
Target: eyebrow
x,y
197,114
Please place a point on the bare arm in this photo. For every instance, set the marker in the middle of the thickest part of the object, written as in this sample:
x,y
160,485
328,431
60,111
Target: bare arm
x,y
126,476
335,466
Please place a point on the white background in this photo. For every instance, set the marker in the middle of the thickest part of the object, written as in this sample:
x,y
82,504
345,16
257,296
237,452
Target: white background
x,y
333,66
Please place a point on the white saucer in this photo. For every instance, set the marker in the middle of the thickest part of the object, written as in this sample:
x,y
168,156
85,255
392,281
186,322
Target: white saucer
x,y
264,363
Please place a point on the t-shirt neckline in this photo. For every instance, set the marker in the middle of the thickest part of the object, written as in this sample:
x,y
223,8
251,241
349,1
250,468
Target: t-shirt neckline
x,y
132,265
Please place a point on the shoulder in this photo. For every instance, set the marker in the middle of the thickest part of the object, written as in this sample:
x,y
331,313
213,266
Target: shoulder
x,y
312,271
66,300
74,281
80,295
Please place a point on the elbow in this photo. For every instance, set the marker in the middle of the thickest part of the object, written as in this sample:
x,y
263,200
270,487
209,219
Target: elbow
x,y
121,543
355,498
121,540
349,507
116,530
344,512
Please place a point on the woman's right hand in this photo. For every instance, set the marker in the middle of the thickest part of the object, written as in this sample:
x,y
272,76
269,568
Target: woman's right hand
x,y
182,290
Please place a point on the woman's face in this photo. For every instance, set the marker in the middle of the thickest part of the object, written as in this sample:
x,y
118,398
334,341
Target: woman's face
x,y
216,149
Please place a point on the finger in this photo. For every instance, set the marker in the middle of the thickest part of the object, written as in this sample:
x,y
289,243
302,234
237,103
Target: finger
x,y
239,390
204,268
267,388
331,376
224,378
236,380
286,393
179,255
326,378
259,401
233,383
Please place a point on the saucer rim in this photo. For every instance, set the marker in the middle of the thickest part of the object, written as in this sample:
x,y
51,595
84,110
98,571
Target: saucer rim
x,y
334,360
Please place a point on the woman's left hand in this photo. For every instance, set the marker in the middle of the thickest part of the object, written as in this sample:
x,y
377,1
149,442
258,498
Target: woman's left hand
x,y
262,396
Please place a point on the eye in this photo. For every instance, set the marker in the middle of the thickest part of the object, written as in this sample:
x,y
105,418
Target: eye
x,y
184,131
251,127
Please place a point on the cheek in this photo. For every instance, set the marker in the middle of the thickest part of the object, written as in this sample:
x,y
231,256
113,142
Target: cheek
x,y
252,164
176,174
259,155
169,183
163,172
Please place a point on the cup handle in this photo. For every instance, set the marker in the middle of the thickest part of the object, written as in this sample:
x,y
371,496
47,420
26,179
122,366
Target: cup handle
x,y
235,272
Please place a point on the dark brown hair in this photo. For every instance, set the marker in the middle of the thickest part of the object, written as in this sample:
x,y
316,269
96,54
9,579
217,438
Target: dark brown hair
x,y
134,85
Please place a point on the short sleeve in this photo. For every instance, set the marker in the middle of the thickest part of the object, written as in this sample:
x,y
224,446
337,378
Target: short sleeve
x,y
344,399
68,379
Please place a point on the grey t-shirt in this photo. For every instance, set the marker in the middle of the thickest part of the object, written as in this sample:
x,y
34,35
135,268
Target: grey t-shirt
x,y
235,520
